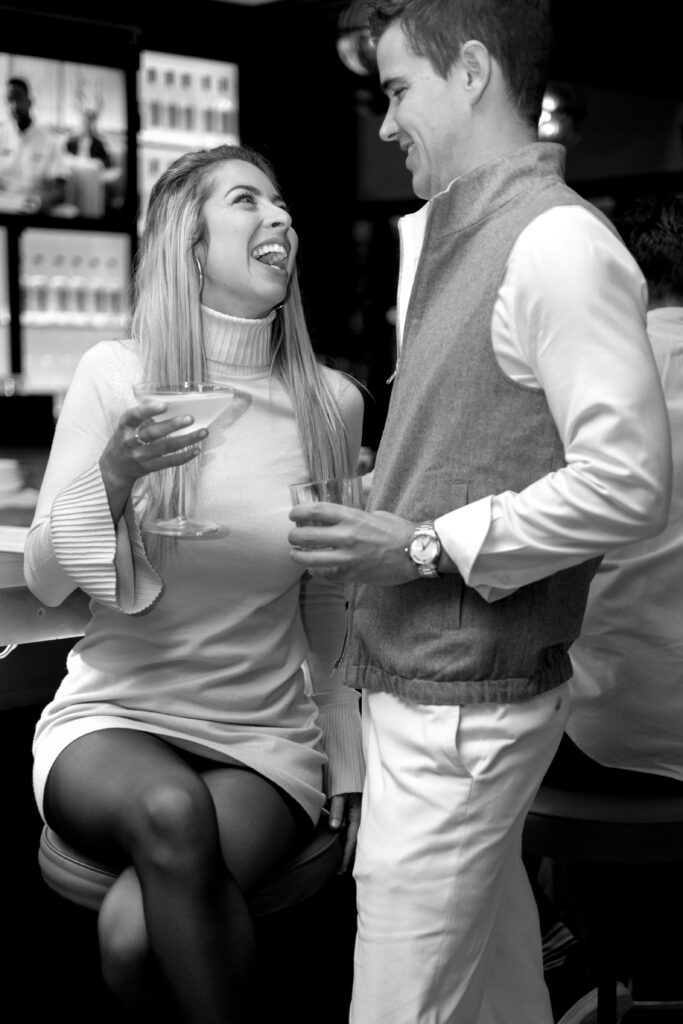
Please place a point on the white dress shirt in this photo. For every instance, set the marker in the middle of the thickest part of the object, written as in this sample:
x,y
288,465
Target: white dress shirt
x,y
627,688
30,158
569,319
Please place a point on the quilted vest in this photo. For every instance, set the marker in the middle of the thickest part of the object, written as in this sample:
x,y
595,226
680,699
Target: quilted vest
x,y
457,430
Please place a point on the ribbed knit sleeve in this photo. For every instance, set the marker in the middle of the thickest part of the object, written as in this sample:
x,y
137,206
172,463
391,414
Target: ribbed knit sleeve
x,y
340,723
73,541
107,561
323,611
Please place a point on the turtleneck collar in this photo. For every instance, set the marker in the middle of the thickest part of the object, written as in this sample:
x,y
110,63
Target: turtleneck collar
x,y
235,346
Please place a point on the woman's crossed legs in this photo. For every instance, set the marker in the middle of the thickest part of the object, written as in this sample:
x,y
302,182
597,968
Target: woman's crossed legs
x,y
193,837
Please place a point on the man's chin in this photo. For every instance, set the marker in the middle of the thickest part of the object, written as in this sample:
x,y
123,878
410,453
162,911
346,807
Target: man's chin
x,y
421,187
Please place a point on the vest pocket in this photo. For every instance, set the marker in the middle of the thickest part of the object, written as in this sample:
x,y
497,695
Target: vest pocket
x,y
415,621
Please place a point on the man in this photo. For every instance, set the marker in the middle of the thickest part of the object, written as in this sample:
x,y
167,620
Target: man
x,y
32,166
526,435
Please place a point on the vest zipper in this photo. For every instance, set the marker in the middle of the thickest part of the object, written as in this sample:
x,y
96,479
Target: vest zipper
x,y
399,334
340,657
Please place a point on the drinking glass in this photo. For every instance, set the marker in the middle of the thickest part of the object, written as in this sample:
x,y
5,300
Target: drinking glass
x,y
204,400
341,490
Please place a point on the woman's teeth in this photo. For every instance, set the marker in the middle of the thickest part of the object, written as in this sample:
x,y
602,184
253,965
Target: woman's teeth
x,y
272,255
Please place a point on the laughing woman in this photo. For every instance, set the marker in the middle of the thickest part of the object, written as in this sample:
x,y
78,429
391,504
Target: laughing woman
x,y
198,733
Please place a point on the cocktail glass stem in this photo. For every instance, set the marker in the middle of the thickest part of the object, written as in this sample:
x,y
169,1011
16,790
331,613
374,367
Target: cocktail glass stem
x,y
182,495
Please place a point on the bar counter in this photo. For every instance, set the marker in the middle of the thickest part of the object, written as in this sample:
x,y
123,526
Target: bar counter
x,y
34,639
23,619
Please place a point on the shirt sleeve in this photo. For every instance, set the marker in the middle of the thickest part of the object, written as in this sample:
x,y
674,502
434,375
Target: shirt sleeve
x,y
323,612
73,541
570,319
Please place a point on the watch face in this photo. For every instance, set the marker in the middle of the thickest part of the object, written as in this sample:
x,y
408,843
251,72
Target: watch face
x,y
424,549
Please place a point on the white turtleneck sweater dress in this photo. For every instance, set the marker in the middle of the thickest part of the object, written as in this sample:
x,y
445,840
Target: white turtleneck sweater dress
x,y
227,649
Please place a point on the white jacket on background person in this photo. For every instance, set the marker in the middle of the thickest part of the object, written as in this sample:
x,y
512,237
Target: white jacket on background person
x,y
627,687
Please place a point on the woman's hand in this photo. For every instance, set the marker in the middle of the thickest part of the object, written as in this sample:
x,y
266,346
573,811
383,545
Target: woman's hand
x,y
345,815
141,445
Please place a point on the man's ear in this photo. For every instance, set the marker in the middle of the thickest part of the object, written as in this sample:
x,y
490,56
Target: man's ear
x,y
475,61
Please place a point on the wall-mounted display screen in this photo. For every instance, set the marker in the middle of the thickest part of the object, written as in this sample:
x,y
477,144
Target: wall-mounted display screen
x,y
63,138
185,103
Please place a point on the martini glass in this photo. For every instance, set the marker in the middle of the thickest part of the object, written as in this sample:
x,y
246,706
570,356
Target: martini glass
x,y
204,401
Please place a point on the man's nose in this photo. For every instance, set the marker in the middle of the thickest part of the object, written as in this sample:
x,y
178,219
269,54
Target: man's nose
x,y
387,131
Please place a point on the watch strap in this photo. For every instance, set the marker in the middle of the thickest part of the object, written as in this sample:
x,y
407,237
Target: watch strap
x,y
428,572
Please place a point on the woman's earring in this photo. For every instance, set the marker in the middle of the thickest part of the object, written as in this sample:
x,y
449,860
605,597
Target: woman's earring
x,y
200,272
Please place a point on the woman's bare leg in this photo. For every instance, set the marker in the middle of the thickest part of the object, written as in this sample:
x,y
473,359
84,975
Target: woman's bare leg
x,y
130,797
127,964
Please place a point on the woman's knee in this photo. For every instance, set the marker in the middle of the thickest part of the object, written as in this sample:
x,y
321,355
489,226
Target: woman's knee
x,y
174,825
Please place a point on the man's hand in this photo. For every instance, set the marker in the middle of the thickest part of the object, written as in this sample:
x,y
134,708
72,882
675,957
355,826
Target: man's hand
x,y
350,545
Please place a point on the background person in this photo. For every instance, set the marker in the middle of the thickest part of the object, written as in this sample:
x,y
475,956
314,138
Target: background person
x,y
185,744
88,142
623,734
31,159
527,434
627,686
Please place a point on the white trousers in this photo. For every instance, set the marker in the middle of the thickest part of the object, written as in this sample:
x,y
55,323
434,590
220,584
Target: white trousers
x,y
448,929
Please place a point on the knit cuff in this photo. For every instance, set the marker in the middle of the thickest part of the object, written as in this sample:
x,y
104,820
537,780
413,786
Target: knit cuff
x,y
339,720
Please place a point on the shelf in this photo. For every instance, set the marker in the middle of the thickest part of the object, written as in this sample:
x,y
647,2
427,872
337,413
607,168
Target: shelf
x,y
111,222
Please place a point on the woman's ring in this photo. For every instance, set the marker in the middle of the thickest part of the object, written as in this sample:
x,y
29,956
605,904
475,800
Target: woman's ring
x,y
138,438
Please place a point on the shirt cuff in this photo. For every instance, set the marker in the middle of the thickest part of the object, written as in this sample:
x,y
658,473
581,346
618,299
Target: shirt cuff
x,y
462,533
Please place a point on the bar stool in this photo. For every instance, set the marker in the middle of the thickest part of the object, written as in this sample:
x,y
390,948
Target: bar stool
x,y
85,882
304,915
605,829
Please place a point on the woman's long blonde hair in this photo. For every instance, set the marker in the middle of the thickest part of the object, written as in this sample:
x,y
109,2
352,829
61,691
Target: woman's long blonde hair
x,y
167,323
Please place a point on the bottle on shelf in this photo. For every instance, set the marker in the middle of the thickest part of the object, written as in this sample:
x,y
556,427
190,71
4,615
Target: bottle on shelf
x,y
58,290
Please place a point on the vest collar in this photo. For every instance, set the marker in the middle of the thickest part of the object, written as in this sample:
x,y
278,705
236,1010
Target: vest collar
x,y
479,193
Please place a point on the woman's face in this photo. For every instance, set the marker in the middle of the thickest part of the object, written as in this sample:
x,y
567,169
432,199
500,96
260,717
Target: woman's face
x,y
251,246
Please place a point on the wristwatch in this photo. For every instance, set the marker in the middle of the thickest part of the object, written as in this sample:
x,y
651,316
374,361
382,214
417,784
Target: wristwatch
x,y
424,550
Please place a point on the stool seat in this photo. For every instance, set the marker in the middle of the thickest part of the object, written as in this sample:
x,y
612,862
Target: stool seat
x,y
605,830
85,882
608,828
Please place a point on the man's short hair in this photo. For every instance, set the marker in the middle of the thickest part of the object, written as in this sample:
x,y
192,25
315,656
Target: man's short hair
x,y
517,33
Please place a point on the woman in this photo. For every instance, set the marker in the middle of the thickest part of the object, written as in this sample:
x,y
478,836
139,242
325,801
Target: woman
x,y
184,744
